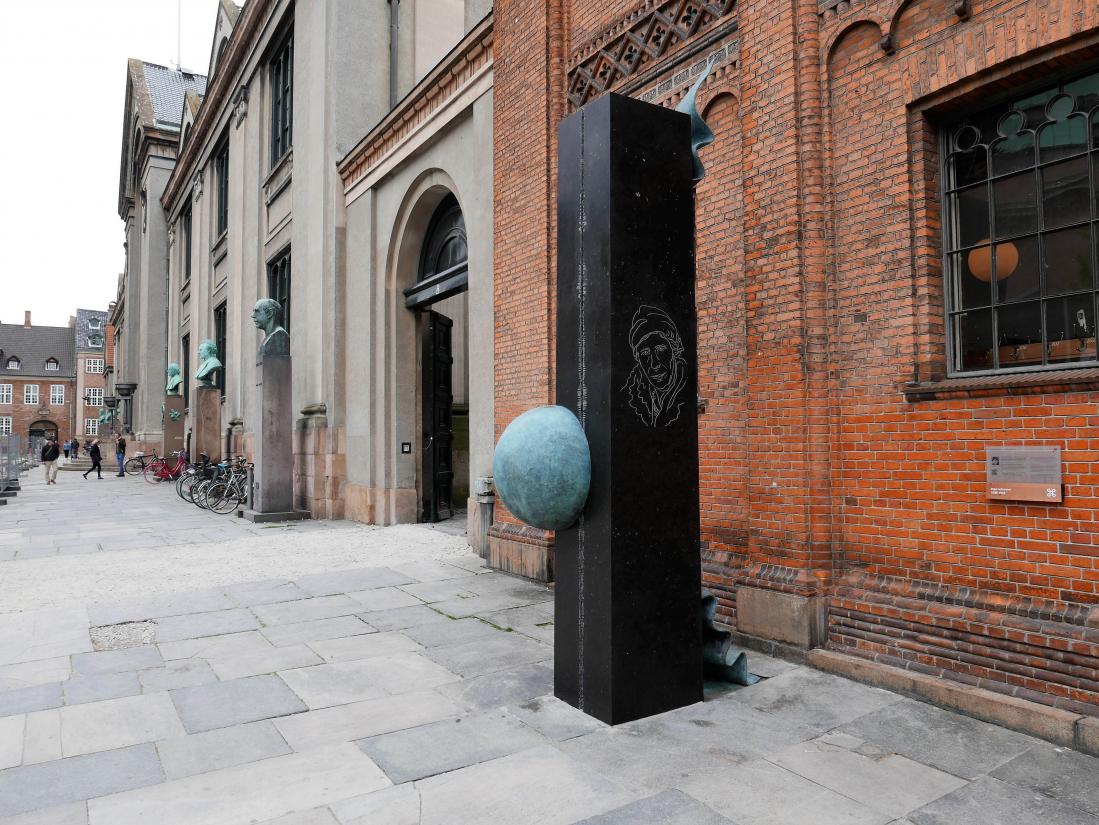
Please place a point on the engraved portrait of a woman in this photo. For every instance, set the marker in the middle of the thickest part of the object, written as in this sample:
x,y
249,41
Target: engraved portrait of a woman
x,y
656,382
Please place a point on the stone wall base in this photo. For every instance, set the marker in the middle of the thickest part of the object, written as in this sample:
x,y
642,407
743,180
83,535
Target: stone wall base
x,y
1062,727
320,467
521,550
788,618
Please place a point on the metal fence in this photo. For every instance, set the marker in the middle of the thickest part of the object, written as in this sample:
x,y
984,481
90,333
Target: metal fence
x,y
10,460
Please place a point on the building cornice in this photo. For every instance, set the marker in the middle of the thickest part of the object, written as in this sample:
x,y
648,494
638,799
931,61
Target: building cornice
x,y
466,62
218,93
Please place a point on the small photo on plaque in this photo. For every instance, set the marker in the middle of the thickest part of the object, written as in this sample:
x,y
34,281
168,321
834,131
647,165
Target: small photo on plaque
x,y
1024,474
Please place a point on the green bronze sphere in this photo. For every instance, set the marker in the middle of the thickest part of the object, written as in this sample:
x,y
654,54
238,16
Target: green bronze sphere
x,y
542,468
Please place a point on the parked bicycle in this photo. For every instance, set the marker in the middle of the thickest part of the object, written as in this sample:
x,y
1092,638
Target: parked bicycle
x,y
161,470
140,462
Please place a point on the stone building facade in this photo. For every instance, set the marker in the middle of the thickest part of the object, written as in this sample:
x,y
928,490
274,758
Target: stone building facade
x,y
896,269
90,335
329,138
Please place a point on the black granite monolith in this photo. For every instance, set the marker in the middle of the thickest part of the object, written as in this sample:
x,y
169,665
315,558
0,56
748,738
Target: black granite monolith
x,y
627,630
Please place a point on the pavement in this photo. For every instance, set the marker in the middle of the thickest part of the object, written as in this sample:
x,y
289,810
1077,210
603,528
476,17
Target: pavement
x,y
163,664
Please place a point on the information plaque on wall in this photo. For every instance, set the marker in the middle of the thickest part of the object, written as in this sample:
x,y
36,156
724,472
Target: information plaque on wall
x,y
1024,474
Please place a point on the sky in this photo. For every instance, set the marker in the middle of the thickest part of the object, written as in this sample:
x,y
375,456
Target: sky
x,y
64,69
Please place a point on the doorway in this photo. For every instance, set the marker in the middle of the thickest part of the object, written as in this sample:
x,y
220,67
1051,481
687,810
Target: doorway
x,y
439,298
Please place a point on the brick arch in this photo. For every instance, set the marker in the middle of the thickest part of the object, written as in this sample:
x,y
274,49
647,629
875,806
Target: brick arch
x,y
722,348
865,28
915,19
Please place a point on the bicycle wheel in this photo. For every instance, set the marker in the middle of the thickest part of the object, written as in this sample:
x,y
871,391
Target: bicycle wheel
x,y
154,472
198,493
228,500
184,484
134,466
213,494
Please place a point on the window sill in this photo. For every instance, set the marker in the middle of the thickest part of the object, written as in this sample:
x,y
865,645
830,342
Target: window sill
x,y
279,177
220,248
1033,383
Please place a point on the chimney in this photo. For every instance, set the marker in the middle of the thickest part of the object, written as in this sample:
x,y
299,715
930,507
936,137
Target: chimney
x,y
27,319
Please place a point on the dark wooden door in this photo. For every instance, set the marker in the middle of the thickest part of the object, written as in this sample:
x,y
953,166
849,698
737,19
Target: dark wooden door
x,y
438,427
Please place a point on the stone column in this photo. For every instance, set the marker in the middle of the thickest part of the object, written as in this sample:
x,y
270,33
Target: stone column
x,y
206,412
627,632
173,424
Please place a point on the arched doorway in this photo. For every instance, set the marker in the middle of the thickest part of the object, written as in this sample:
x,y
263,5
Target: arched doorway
x,y
42,429
439,298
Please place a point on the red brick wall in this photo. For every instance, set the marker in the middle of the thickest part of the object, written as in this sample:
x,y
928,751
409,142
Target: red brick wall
x,y
24,415
819,298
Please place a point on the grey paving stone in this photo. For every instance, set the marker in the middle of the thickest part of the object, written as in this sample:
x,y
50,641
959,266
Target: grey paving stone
x,y
448,745
992,802
768,666
216,647
11,740
814,699
316,816
504,687
221,748
323,686
957,744
221,704
439,591
398,805
431,571
264,592
346,723
1063,774
304,610
559,789
80,777
667,808
454,632
30,699
347,581
384,598
554,719
760,793
506,650
176,674
29,674
364,647
198,625
117,723
316,630
42,738
81,689
398,618
72,814
262,661
248,793
487,604
172,604
893,785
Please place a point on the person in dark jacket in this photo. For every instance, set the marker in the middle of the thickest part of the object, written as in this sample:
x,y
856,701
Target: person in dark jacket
x,y
120,454
76,448
51,451
96,456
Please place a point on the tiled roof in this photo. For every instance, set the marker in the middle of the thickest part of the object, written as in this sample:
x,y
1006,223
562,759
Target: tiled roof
x,y
33,347
90,336
167,88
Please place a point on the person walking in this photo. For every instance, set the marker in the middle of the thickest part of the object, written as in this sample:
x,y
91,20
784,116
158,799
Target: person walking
x,y
76,448
96,456
120,454
51,451
66,447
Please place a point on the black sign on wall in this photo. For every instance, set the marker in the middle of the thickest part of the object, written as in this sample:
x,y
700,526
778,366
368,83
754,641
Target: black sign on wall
x,y
627,628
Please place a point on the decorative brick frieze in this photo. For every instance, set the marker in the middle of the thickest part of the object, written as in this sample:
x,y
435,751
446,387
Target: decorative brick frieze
x,y
632,45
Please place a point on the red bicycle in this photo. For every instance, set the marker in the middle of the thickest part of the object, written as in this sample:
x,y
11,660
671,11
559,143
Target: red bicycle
x,y
159,470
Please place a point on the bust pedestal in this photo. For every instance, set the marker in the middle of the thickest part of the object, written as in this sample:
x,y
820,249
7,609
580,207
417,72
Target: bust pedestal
x,y
273,492
173,424
206,413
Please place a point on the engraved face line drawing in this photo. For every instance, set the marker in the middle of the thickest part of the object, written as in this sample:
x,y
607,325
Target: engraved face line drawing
x,y
659,373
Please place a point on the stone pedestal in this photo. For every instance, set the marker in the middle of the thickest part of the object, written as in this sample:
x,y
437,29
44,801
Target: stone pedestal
x,y
206,415
173,424
627,632
273,493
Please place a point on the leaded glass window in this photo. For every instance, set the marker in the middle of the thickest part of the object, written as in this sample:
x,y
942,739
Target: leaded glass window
x,y
1021,231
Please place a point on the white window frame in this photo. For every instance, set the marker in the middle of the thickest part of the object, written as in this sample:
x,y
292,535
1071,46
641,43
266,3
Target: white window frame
x,y
95,397
14,363
57,395
93,365
29,397
52,365
5,425
95,323
91,426
5,393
